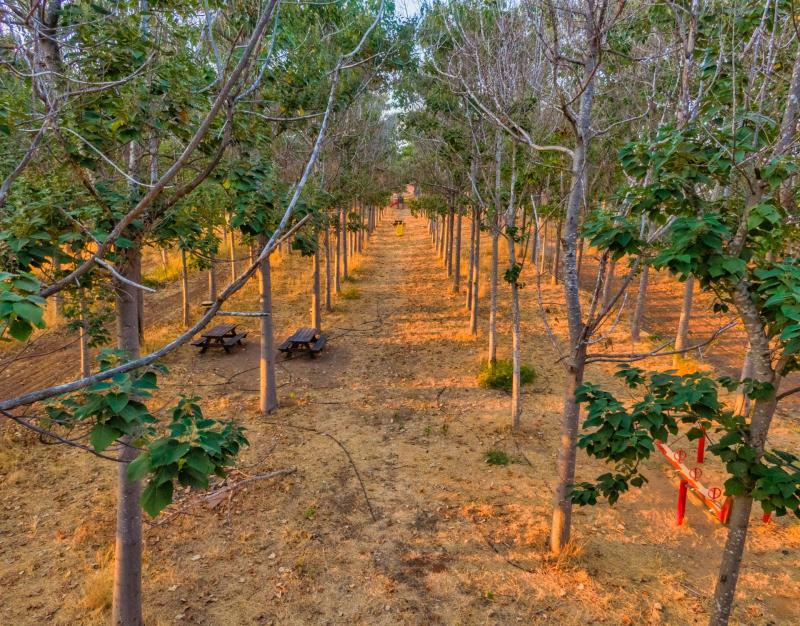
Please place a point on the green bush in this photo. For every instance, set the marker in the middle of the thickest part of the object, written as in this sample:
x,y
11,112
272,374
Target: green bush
x,y
349,293
499,375
497,457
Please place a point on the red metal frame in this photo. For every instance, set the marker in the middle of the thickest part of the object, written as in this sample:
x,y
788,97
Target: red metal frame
x,y
690,480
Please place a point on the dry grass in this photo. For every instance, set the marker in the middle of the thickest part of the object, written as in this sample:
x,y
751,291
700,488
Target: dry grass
x,y
456,541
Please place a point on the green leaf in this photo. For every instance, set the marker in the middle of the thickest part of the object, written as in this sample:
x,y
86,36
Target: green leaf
x,y
103,436
139,467
156,497
117,401
29,312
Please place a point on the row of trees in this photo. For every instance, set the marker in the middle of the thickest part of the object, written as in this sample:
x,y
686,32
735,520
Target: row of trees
x,y
132,124
660,136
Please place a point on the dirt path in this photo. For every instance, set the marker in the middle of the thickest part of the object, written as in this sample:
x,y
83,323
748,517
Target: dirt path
x,y
392,516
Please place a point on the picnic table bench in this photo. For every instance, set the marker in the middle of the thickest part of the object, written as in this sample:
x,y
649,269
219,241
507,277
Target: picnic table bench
x,y
304,340
222,336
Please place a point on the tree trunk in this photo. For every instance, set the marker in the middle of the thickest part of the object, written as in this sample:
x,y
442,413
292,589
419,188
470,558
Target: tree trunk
x,y
127,595
471,267
543,248
581,245
58,297
457,255
608,285
742,405
83,331
682,336
328,303
337,284
184,290
212,280
268,397
473,316
450,242
556,256
164,262
316,316
360,228
442,238
232,253
641,304
493,298
562,510
516,408
762,414
344,245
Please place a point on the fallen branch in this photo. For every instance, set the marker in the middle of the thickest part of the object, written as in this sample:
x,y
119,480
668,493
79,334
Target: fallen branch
x,y
281,472
344,449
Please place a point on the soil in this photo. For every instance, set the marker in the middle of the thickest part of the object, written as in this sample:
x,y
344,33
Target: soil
x,y
391,515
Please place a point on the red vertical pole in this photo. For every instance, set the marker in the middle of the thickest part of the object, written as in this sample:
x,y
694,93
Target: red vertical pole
x,y
766,518
681,512
701,447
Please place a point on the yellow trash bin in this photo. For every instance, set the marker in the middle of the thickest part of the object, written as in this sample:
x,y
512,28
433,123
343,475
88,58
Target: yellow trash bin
x,y
398,230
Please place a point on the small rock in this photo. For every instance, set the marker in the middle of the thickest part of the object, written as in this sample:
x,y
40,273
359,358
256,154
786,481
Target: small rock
x,y
271,555
197,557
172,588
658,606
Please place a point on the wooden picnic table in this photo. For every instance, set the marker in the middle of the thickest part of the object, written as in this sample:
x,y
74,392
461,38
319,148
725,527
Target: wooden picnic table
x,y
304,340
221,336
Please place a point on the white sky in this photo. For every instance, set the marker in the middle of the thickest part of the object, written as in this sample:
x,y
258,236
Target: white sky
x,y
408,8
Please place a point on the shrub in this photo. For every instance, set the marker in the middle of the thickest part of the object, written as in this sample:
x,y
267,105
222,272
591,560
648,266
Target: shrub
x,y
349,293
499,375
497,457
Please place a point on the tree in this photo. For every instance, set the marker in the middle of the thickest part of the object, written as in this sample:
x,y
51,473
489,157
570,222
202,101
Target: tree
x,y
737,246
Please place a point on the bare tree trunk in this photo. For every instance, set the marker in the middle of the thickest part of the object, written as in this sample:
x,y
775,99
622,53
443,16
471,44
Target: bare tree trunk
x,y
344,245
556,255
543,247
450,242
268,397
742,405
360,228
493,298
184,290
212,280
83,330
443,238
127,596
232,253
516,408
58,297
641,304
581,245
562,510
608,285
457,255
337,284
328,303
468,301
682,336
164,262
473,317
316,316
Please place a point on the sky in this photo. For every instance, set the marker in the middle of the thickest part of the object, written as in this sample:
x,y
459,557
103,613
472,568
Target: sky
x,y
408,8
